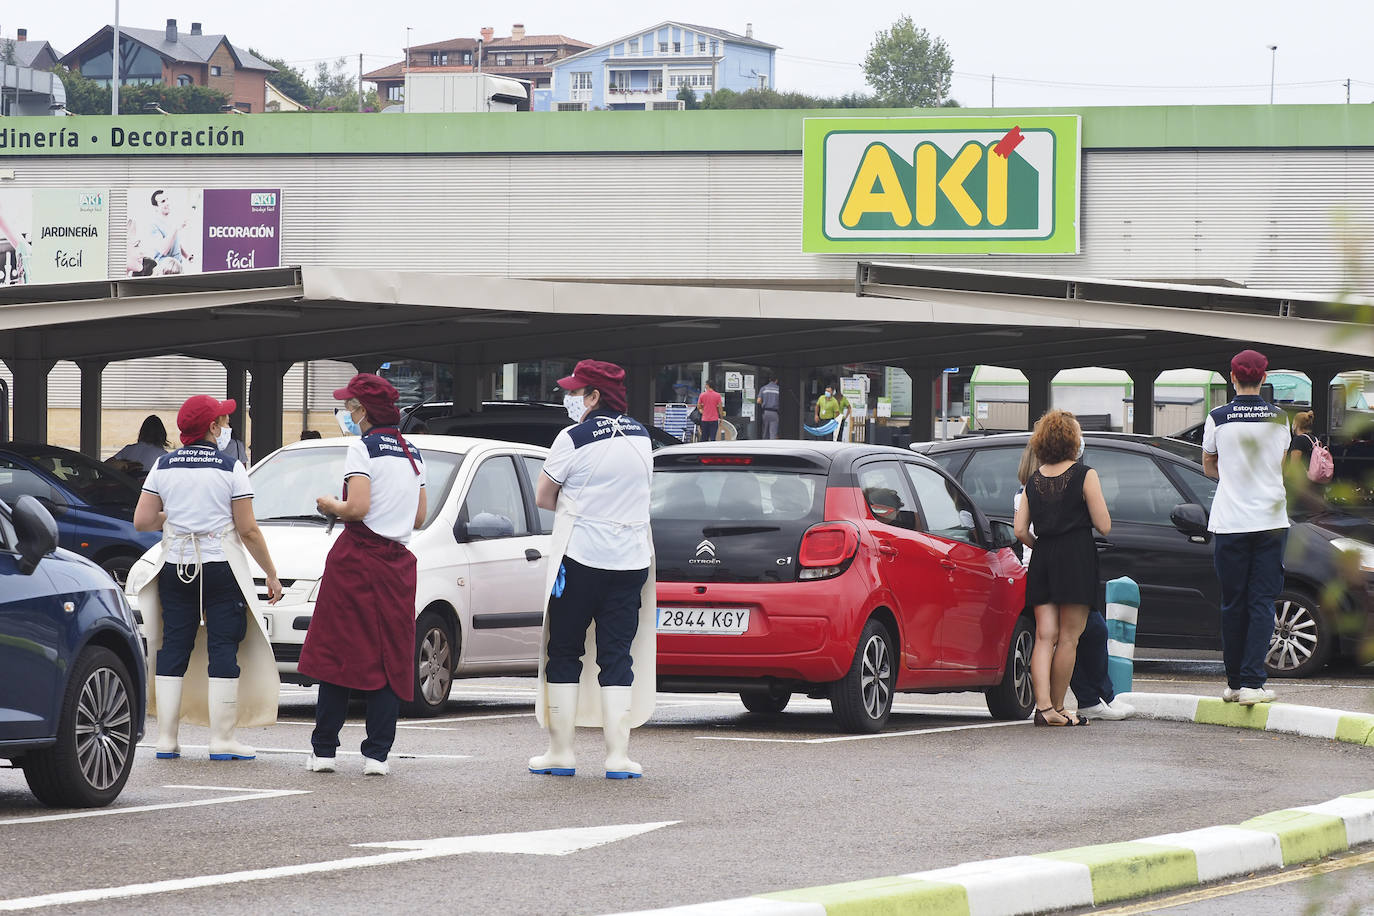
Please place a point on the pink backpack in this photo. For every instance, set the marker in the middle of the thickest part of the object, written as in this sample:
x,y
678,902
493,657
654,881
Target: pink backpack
x,y
1321,468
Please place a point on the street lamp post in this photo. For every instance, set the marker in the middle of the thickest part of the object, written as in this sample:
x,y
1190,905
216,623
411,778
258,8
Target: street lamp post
x,y
114,66
1273,55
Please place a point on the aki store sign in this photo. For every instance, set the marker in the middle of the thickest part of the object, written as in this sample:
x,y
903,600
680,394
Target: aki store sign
x,y
53,235
999,185
193,230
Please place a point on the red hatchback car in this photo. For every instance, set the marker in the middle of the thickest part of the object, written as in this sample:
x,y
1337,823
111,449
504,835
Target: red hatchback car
x,y
848,572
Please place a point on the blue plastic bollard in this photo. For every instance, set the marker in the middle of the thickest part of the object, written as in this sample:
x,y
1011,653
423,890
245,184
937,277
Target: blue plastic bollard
x,y
1123,606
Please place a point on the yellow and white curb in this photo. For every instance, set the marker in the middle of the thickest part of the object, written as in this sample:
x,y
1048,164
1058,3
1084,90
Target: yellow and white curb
x,y
1095,875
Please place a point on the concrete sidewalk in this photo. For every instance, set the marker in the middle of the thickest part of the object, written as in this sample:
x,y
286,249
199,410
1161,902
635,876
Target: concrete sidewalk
x,y
1094,875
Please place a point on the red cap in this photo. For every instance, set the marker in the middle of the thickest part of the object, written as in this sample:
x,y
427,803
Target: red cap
x,y
376,394
1249,366
196,415
607,378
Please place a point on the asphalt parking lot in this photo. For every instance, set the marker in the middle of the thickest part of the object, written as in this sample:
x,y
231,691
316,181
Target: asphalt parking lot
x,y
732,804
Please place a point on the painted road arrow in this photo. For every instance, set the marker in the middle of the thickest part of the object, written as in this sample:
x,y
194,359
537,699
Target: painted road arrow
x,y
559,842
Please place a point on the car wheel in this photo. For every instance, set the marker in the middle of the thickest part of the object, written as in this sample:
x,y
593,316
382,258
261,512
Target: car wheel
x,y
436,657
1303,637
765,702
118,568
90,762
1013,698
862,699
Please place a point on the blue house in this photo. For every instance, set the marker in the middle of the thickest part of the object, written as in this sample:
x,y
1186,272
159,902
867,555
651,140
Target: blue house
x,y
647,68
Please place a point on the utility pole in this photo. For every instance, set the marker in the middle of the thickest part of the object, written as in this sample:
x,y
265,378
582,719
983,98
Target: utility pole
x,y
1273,56
1347,90
360,85
994,91
114,66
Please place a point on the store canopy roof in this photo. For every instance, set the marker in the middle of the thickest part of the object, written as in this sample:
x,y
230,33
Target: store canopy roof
x,y
903,314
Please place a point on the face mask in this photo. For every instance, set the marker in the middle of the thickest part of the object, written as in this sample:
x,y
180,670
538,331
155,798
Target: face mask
x,y
1081,443
829,394
346,422
222,440
575,405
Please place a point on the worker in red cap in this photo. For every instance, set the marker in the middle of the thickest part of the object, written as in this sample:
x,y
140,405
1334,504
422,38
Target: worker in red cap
x,y
362,634
601,575
201,499
1244,443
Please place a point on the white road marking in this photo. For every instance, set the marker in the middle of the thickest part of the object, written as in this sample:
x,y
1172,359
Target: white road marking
x,y
838,738
415,723
253,795
306,751
558,842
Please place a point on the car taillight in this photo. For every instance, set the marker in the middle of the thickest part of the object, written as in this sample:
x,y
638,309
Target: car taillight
x,y
730,459
826,550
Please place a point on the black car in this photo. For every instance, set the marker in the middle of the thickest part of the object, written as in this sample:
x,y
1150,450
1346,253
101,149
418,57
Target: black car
x,y
1150,483
527,422
72,675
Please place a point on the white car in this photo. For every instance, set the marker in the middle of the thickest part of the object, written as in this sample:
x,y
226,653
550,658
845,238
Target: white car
x,y
481,556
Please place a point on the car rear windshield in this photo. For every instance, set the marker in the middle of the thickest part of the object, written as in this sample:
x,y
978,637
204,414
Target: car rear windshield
x,y
286,485
737,524
96,483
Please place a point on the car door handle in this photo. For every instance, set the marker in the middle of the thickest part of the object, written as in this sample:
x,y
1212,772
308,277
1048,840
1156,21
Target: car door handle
x,y
887,550
531,554
1103,544
948,564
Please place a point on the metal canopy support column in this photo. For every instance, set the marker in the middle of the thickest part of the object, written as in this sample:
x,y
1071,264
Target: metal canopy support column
x,y
266,402
92,373
467,381
639,383
922,424
30,387
792,404
1039,396
236,388
1322,418
1143,398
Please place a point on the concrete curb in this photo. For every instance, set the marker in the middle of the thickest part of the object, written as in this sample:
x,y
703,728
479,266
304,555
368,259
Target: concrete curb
x,y
1112,872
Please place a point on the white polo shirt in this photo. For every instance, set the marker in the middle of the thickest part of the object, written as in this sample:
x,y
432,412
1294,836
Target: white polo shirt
x,y
197,485
605,465
395,496
1249,436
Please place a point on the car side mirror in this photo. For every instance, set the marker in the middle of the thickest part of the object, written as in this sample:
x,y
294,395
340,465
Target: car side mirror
x,y
484,526
1003,535
37,533
1190,518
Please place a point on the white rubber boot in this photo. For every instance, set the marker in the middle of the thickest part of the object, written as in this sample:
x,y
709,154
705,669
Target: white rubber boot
x,y
224,714
562,709
168,717
615,725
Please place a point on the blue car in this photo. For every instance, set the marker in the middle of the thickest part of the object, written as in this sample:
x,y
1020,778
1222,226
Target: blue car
x,y
92,502
73,683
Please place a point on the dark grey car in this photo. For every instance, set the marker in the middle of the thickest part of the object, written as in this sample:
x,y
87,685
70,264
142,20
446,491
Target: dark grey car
x,y
1159,497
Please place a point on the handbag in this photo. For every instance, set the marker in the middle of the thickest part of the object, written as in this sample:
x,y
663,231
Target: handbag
x,y
695,416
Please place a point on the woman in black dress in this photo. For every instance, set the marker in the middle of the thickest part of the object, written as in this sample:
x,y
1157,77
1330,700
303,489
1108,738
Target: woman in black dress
x,y
1064,502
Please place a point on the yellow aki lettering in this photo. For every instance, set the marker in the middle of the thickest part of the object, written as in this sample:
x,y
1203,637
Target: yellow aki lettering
x,y
876,189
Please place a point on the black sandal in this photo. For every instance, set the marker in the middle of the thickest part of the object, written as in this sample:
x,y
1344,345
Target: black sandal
x,y
1041,720
1076,720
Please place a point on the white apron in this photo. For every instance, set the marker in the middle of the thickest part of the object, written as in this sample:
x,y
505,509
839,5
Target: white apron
x,y
643,649
259,683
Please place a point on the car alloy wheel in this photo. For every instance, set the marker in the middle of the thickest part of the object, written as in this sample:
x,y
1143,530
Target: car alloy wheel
x,y
1302,639
435,659
1013,697
862,699
103,728
94,752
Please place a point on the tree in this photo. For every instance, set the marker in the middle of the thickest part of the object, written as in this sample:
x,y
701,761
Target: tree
x,y
688,97
291,82
908,67
85,96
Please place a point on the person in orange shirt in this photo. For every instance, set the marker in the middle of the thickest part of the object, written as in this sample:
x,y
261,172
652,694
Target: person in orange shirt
x,y
709,403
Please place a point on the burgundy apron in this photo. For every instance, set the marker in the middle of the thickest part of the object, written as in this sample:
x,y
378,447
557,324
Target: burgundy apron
x,y
362,634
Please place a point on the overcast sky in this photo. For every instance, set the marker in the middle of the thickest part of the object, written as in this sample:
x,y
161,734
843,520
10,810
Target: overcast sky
x,y
1065,52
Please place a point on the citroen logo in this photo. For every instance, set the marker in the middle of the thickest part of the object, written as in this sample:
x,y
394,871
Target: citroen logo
x,y
707,548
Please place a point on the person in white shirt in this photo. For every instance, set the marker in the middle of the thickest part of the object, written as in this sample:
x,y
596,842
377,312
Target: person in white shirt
x,y
597,479
202,501
1244,443
362,634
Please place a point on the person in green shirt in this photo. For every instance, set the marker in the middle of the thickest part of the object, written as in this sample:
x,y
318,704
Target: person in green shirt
x,y
832,406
